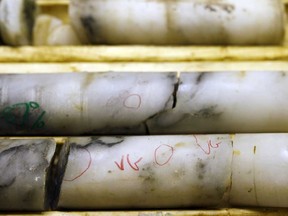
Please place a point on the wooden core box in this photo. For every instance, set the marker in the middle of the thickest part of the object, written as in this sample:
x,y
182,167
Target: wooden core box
x,y
46,59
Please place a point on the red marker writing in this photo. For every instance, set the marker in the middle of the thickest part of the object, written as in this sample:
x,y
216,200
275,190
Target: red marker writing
x,y
209,145
133,165
85,170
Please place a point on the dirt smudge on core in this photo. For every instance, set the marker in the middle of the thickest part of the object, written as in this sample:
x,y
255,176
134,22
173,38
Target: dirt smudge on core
x,y
201,169
147,175
180,144
88,80
216,5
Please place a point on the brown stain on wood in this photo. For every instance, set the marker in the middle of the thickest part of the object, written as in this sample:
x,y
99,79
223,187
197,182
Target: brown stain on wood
x,y
112,54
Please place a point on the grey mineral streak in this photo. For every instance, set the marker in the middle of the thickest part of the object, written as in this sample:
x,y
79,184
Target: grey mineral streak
x,y
24,165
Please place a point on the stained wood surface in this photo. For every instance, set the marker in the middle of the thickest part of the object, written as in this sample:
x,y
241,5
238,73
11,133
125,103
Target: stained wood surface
x,y
222,212
66,2
141,54
147,67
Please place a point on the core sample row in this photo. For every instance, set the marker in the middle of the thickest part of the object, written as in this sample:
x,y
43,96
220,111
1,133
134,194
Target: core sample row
x,y
139,172
121,103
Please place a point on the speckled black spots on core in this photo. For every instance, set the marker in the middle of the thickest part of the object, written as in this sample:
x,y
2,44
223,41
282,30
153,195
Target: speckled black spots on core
x,y
147,175
201,169
207,112
215,7
179,173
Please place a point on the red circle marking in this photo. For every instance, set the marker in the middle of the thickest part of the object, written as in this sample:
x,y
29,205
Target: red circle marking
x,y
137,97
156,153
88,166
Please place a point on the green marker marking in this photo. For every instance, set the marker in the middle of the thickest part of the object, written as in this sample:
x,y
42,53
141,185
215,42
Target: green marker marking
x,y
19,115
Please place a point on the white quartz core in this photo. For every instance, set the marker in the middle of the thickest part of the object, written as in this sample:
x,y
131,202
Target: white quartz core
x,y
147,172
83,103
222,102
176,171
144,103
178,22
260,164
